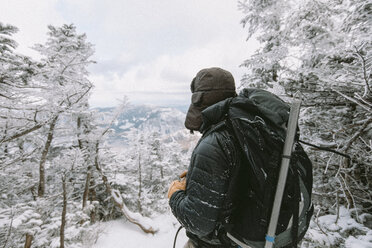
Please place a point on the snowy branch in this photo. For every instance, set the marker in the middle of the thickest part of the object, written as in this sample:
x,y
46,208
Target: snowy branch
x,y
354,101
27,131
118,199
10,228
357,134
367,89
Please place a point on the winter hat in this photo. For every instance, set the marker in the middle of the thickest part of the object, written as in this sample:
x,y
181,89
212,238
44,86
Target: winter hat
x,y
209,86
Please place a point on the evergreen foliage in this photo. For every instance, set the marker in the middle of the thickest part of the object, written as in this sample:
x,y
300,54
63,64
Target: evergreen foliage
x,y
57,170
323,49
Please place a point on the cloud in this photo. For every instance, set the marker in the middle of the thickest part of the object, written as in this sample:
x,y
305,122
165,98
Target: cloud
x,y
141,46
149,28
32,18
166,79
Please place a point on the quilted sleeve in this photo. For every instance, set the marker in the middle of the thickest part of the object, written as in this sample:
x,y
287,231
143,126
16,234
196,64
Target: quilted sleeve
x,y
198,208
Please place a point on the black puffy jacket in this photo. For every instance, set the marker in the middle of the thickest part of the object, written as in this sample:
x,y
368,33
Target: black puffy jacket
x,y
199,208
202,205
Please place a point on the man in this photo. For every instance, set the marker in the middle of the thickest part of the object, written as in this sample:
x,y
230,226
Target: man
x,y
198,201
231,181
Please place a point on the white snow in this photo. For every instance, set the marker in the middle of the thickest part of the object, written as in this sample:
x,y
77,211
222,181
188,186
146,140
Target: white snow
x,y
325,231
123,234
144,221
126,125
359,242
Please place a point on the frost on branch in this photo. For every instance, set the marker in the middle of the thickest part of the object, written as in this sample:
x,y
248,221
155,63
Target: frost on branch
x,y
135,218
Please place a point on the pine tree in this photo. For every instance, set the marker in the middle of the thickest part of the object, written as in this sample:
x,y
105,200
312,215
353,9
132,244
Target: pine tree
x,y
39,110
63,76
323,49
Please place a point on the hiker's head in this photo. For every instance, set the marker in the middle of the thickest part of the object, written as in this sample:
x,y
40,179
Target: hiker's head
x,y
208,87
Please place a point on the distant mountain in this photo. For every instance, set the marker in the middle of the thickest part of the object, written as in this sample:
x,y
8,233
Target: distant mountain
x,y
182,108
165,121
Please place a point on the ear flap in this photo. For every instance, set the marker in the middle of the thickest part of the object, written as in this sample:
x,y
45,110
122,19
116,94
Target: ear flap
x,y
197,98
193,119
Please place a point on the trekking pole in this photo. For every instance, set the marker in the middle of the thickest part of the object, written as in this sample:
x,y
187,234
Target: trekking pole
x,y
286,157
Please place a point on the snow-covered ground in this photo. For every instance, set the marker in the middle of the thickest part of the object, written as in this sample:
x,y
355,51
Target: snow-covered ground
x,y
324,232
332,231
123,234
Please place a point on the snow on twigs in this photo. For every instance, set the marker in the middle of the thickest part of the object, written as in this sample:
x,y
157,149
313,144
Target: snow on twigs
x,y
135,218
342,231
361,241
117,197
144,221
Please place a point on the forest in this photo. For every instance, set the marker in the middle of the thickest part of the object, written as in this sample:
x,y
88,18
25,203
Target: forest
x,y
60,175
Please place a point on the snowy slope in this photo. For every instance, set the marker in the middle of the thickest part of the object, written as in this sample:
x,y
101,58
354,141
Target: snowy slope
x,y
324,232
122,234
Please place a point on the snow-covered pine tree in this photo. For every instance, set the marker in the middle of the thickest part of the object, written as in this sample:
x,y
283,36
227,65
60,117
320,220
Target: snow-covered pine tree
x,y
17,109
63,76
134,166
40,122
323,49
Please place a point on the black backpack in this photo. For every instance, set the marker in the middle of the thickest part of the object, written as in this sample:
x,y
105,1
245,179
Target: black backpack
x,y
260,139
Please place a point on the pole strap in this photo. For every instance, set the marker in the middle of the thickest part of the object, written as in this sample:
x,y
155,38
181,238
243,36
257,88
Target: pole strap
x,y
270,239
287,156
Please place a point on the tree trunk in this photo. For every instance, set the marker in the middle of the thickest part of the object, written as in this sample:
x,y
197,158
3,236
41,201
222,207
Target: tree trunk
x,y
28,242
21,146
78,123
92,197
84,148
41,189
140,184
86,188
6,144
63,220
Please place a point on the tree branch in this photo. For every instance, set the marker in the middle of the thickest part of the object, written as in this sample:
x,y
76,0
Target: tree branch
x,y
38,126
27,131
64,210
357,134
367,89
117,198
354,101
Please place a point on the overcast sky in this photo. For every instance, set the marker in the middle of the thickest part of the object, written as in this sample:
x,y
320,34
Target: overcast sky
x,y
146,50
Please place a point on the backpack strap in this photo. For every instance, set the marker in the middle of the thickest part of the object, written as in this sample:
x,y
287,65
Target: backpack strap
x,y
268,192
297,197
